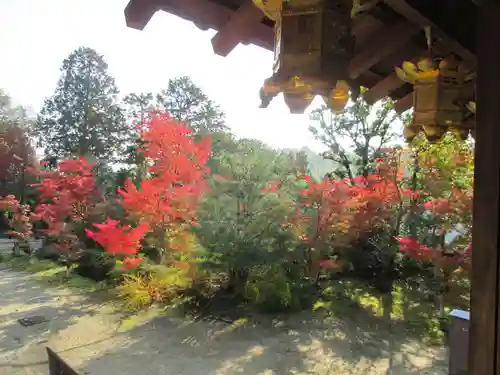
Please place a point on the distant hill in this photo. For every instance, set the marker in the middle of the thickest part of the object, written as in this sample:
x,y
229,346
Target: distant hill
x,y
317,165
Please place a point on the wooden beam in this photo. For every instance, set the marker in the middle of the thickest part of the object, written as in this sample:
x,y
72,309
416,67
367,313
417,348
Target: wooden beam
x,y
484,350
138,13
403,104
212,15
237,28
382,45
383,88
411,14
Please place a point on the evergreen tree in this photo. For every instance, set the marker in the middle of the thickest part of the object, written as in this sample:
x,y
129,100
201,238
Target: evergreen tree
x,y
138,107
187,102
83,116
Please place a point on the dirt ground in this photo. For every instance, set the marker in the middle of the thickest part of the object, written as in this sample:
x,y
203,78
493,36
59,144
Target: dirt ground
x,y
95,340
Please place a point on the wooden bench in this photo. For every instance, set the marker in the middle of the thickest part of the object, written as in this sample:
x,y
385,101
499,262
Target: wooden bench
x,y
57,366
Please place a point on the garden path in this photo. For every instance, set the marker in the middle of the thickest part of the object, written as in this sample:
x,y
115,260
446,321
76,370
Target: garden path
x,y
96,341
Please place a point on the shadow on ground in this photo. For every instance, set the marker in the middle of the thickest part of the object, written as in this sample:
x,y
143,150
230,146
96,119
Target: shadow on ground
x,y
93,339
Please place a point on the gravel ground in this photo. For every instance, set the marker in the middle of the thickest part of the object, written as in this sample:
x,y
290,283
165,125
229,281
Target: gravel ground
x,y
96,341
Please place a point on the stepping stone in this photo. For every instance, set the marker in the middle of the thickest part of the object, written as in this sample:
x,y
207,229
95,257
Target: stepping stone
x,y
32,320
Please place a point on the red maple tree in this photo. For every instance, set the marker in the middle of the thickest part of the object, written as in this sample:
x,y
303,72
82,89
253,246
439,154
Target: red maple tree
x,y
18,219
337,212
67,195
167,201
16,153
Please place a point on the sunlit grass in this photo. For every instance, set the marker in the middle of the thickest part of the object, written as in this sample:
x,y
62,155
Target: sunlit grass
x,y
53,274
410,312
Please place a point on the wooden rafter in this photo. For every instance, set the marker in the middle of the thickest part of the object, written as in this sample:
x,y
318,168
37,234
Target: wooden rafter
x,y
382,45
236,29
403,104
205,14
139,13
411,14
214,15
383,88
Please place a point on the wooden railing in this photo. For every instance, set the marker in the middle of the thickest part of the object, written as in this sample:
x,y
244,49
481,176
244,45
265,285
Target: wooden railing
x,y
57,366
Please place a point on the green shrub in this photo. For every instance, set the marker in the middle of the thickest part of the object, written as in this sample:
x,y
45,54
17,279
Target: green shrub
x,y
95,264
270,290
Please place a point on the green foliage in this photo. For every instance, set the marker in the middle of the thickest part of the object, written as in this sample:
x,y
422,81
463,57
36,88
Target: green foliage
x,y
269,289
240,222
83,116
95,265
355,138
188,103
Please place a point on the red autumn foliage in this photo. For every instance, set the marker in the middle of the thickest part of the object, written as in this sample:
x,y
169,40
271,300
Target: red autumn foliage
x,y
426,254
178,170
118,239
66,194
15,154
19,220
342,210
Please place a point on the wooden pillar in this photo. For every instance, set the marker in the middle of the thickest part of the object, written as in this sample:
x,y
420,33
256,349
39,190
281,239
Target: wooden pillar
x,y
484,348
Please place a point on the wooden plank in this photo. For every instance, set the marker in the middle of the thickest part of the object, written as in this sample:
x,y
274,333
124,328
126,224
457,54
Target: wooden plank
x,y
383,88
381,45
404,104
413,15
57,366
485,331
236,28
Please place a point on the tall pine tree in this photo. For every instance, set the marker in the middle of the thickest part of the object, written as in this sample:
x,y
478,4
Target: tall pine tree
x,y
83,117
187,102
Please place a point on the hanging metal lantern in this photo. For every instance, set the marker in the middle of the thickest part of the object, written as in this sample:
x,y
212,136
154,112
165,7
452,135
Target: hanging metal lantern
x,y
471,107
313,47
438,92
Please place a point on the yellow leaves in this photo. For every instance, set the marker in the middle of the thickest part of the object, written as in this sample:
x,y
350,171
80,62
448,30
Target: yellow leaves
x,y
424,70
471,106
270,8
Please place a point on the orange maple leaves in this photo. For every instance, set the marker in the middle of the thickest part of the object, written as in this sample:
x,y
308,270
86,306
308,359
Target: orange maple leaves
x,y
178,169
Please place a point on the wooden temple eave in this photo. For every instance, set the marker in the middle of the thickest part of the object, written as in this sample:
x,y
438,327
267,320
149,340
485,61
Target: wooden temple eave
x,y
378,36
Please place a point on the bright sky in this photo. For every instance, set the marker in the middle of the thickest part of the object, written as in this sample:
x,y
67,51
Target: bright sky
x,y
35,36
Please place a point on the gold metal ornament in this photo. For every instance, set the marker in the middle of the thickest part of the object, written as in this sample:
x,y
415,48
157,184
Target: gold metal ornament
x,y
270,8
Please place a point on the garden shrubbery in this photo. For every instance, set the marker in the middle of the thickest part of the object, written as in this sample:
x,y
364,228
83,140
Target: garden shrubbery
x,y
253,227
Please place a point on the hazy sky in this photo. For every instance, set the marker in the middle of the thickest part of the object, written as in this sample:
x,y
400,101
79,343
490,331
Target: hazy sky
x,y
37,35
